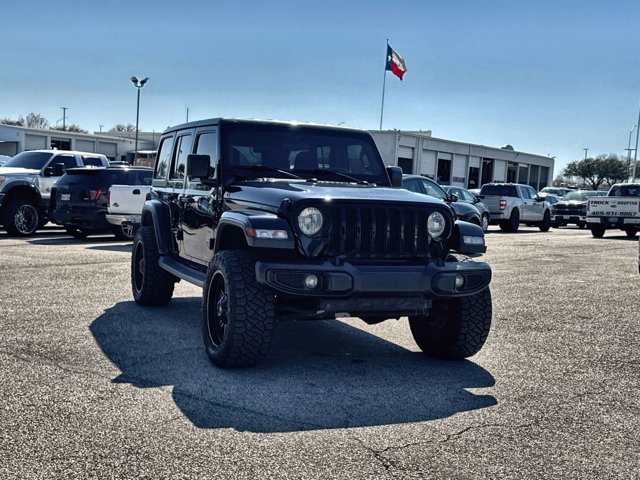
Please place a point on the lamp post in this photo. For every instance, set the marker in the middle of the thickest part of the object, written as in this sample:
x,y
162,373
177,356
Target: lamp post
x,y
64,117
635,154
585,152
138,84
629,150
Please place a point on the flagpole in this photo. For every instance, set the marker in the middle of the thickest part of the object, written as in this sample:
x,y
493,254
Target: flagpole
x,y
384,82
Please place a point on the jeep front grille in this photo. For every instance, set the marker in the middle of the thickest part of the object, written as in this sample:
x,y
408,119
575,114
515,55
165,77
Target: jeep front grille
x,y
378,231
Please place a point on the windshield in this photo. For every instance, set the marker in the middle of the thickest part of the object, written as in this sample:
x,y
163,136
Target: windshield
x,y
579,196
284,151
32,160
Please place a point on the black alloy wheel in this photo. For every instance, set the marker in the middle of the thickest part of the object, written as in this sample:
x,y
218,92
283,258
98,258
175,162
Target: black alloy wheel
x,y
21,218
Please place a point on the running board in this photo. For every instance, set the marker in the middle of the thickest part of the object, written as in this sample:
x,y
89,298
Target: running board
x,y
180,270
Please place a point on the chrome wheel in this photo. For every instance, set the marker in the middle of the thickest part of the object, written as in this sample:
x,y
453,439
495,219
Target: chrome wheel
x,y
26,219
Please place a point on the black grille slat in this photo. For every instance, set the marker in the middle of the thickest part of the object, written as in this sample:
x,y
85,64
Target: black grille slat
x,y
378,231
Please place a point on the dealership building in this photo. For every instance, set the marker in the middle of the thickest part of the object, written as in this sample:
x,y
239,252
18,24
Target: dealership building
x,y
461,164
448,161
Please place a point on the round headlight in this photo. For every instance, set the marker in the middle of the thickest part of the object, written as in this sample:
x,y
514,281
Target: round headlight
x,y
436,225
310,221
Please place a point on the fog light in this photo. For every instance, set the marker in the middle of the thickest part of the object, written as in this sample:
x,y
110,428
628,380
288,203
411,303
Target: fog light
x,y
459,281
311,281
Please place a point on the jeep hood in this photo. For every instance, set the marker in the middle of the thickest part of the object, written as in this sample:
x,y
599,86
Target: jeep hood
x,y
269,194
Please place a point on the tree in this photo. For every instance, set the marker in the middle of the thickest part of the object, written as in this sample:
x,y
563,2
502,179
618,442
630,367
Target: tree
x,y
121,127
596,171
8,121
71,128
35,120
558,181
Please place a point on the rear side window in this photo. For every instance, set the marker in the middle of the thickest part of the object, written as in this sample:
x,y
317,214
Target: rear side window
x,y
184,149
625,191
69,161
92,161
499,190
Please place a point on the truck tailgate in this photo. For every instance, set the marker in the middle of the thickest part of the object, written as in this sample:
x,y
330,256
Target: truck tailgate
x,y
127,199
614,207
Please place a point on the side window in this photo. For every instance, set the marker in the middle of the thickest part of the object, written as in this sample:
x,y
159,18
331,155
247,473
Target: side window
x,y
411,185
532,192
92,161
207,144
433,190
164,156
525,193
69,161
180,166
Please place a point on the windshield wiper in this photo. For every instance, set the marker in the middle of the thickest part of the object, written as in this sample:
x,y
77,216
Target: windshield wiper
x,y
331,172
266,168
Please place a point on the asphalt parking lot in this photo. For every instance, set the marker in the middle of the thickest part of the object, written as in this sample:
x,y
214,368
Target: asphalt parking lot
x,y
92,386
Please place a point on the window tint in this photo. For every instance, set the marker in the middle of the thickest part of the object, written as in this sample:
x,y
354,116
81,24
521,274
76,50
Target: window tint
x,y
433,189
164,157
33,160
69,161
92,161
625,191
180,166
525,193
467,195
411,185
499,190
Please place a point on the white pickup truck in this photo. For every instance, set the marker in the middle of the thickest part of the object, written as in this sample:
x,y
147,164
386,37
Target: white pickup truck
x,y
620,209
511,204
125,204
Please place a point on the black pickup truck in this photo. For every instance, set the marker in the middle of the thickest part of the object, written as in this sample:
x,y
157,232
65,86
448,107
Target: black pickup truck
x,y
293,221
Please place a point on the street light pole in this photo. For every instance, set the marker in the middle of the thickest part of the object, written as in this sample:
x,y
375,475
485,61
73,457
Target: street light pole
x,y
635,154
629,151
138,84
585,152
64,117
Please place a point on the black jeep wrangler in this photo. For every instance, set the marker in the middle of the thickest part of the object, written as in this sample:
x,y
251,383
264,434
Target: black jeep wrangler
x,y
288,221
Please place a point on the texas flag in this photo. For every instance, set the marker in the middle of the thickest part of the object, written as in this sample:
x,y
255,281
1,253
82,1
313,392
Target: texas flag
x,y
395,63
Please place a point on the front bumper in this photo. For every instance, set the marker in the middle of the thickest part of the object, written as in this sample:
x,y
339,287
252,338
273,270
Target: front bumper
x,y
568,218
394,280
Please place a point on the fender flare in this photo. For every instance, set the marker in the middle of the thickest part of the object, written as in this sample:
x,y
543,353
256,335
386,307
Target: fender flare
x,y
249,222
156,214
465,229
10,187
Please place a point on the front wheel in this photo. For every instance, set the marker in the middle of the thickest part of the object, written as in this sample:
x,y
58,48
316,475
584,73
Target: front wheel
x,y
545,225
238,314
455,328
21,218
150,284
597,231
485,222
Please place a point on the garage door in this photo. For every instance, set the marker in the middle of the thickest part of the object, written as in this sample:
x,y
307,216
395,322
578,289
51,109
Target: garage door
x,y
35,142
108,149
85,145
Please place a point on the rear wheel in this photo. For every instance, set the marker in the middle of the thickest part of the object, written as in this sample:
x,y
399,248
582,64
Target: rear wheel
x,y
485,222
21,218
238,314
151,285
597,231
455,328
125,231
513,223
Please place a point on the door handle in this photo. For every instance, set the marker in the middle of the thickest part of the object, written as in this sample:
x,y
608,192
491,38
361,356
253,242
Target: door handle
x,y
136,191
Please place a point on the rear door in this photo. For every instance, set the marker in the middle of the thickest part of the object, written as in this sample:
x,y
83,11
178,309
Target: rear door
x,y
199,218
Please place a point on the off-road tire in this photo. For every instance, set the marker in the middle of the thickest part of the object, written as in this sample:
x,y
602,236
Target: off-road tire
x,y
238,314
76,232
597,231
21,218
150,284
124,232
631,232
512,224
455,328
545,224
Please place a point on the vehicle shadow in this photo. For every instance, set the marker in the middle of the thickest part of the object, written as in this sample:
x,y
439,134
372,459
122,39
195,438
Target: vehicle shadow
x,y
66,239
319,375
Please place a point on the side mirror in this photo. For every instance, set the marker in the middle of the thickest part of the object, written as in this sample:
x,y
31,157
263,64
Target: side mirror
x,y
54,170
537,198
198,166
395,175
453,197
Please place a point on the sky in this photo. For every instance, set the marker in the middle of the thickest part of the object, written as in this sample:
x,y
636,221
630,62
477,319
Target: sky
x,y
547,77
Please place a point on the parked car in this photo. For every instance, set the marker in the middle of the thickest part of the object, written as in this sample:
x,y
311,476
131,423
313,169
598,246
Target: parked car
x,y
4,159
79,199
512,203
466,196
620,209
124,204
558,191
572,209
426,186
277,220
26,181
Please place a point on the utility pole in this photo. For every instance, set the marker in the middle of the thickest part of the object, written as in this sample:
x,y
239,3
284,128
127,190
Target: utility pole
x,y
629,152
64,117
101,128
585,152
635,154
